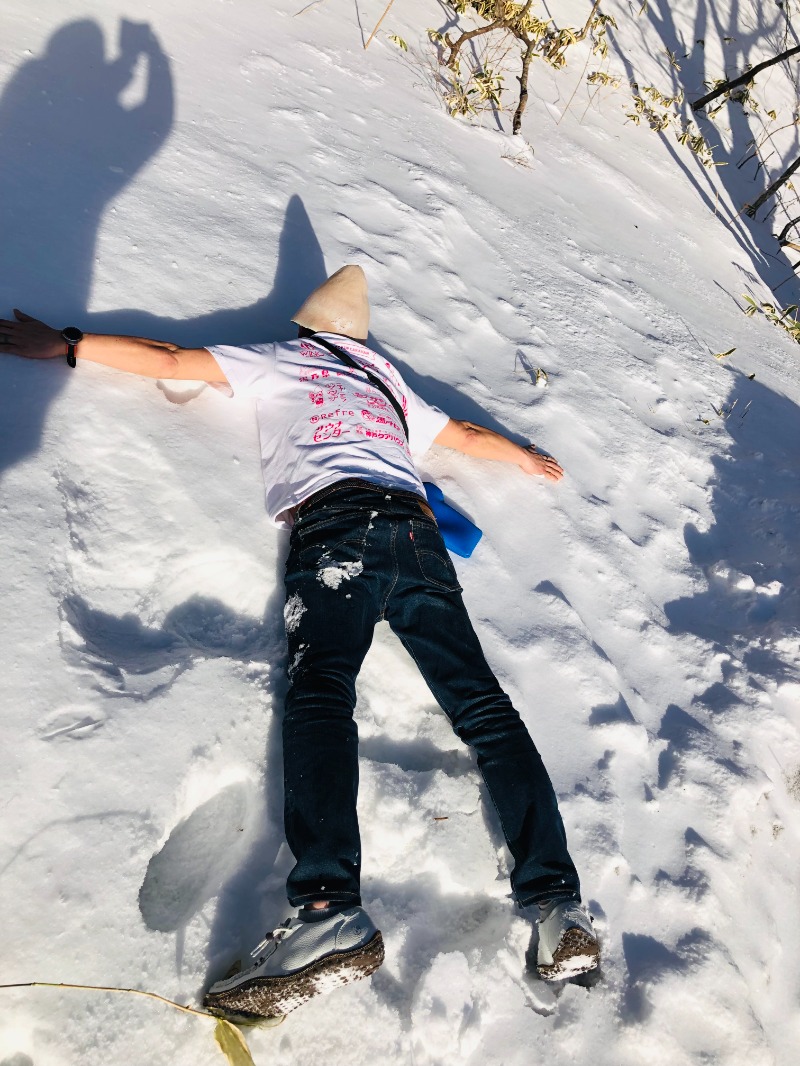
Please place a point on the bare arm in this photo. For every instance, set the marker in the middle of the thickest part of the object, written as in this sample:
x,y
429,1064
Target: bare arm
x,y
33,339
484,443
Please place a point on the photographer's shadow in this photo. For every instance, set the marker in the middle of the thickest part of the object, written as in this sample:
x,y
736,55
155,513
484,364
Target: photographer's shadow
x,y
70,144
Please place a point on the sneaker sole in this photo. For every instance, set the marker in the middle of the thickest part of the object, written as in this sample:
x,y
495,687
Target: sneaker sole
x,y
271,998
576,953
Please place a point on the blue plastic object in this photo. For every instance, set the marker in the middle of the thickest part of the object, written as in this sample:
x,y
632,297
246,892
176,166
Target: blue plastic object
x,y
460,535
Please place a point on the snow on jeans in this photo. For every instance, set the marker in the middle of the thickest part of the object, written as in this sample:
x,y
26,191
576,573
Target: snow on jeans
x,y
358,555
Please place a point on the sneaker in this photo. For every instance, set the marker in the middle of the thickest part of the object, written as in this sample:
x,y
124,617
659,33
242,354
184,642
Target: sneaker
x,y
567,943
297,961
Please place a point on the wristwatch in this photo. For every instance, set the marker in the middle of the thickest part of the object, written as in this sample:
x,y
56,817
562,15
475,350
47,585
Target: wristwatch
x,y
73,336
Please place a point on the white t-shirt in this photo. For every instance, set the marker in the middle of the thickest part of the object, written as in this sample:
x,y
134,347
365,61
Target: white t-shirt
x,y
321,421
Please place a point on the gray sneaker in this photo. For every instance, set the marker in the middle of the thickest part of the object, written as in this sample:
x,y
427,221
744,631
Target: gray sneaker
x,y
297,961
567,943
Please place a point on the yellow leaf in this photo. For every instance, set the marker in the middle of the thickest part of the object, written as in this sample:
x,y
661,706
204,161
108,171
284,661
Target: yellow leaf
x,y
721,355
232,1044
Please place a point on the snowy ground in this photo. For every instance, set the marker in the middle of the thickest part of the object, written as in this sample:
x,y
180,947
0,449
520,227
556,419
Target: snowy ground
x,y
644,613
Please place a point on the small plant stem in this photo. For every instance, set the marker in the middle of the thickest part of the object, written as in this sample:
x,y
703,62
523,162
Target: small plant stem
x,y
734,83
303,10
578,84
523,87
102,988
378,23
587,27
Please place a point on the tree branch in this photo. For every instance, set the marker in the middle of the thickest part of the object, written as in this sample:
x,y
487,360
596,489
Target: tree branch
x,y
501,22
786,228
734,83
751,209
523,87
455,47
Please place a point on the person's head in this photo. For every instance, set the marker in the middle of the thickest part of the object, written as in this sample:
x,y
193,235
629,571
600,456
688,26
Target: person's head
x,y
339,305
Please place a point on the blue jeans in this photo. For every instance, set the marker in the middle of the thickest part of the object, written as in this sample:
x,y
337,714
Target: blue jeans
x,y
360,554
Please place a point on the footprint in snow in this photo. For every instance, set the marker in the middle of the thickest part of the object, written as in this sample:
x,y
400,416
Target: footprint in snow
x,y
195,859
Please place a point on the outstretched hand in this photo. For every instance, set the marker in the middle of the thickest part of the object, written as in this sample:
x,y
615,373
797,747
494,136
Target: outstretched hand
x,y
30,338
534,462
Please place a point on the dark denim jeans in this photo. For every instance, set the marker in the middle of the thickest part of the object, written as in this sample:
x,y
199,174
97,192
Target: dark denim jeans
x,y
360,554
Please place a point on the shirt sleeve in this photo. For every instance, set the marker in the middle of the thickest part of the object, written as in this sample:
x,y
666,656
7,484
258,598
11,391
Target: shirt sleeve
x,y
250,369
425,422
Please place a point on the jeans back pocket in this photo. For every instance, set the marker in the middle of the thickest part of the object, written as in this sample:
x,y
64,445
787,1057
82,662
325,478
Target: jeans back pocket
x,y
432,557
333,544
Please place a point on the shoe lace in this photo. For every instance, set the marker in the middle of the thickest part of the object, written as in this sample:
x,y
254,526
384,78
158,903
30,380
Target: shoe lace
x,y
284,929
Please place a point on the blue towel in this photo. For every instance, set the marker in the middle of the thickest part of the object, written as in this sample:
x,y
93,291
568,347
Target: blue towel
x,y
460,535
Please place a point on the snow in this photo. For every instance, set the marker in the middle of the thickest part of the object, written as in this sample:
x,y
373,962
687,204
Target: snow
x,y
293,611
643,613
332,576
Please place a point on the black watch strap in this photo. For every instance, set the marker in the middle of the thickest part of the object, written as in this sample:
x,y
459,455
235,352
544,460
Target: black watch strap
x,y
73,336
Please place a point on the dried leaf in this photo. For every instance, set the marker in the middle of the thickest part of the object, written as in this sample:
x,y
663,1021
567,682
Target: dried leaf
x,y
721,355
395,39
232,1044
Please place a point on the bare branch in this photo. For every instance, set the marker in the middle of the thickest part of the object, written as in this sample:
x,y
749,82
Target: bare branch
x,y
523,87
743,79
501,22
455,46
751,209
785,230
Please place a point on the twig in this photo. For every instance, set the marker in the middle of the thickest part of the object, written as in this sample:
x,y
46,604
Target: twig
x,y
585,29
785,230
748,75
751,209
102,988
791,277
455,47
378,24
747,158
303,10
578,84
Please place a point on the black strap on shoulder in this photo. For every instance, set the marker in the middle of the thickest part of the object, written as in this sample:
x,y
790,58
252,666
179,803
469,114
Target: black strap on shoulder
x,y
371,378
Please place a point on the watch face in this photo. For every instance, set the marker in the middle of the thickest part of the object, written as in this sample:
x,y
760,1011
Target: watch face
x,y
72,335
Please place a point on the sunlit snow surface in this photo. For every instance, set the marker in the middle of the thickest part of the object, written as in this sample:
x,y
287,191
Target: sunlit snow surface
x,y
192,180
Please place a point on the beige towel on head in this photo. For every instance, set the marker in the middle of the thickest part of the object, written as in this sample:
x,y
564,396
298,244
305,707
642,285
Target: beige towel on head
x,y
339,305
